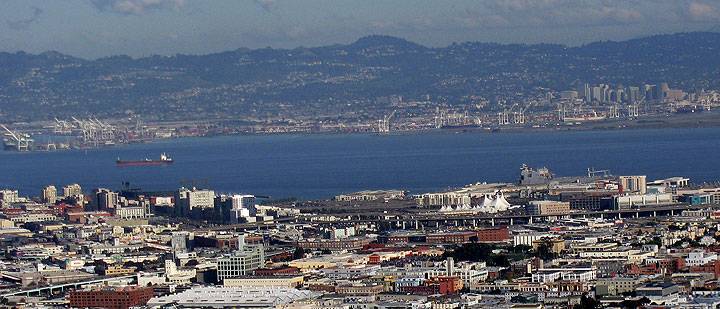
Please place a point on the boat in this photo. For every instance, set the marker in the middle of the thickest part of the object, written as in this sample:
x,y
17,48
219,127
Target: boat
x,y
164,160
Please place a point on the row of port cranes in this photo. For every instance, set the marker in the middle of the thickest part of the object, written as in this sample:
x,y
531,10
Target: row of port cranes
x,y
578,111
90,132
511,116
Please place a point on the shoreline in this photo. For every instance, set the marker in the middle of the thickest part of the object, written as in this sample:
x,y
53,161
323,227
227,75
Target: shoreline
x,y
708,119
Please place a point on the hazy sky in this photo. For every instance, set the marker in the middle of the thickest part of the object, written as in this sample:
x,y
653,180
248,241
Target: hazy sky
x,y
96,28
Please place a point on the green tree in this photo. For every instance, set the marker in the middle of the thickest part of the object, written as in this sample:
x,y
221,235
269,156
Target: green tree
x,y
299,253
587,303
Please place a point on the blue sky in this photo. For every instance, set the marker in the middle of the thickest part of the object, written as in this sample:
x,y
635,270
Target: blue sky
x,y
97,28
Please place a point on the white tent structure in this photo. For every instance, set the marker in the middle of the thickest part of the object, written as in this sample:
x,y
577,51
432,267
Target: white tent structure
x,y
493,203
500,203
446,208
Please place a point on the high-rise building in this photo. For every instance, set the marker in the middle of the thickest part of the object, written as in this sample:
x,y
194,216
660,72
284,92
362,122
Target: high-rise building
x,y
49,194
597,94
8,197
106,199
244,202
242,262
73,190
633,184
188,199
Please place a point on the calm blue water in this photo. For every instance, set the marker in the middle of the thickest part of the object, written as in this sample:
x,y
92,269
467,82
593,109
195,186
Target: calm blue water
x,y
320,166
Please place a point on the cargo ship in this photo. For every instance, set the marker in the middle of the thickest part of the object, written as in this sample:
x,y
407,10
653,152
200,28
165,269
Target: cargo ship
x,y
164,160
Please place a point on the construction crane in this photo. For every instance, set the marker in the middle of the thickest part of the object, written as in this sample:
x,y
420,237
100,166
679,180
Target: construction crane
x,y
384,124
16,141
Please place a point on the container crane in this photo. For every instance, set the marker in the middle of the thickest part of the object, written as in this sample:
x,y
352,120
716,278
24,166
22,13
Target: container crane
x,y
16,141
384,124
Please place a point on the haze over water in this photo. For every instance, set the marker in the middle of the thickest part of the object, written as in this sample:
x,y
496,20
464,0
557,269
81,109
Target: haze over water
x,y
320,166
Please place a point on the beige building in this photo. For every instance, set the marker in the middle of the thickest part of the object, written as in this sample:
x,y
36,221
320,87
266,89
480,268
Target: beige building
x,y
633,184
548,208
49,194
72,190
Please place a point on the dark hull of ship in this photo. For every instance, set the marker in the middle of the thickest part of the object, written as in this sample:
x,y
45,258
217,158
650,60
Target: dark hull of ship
x,y
143,163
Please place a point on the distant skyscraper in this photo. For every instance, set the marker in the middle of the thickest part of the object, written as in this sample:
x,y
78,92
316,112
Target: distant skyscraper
x,y
7,197
49,194
587,93
106,199
73,190
597,94
188,199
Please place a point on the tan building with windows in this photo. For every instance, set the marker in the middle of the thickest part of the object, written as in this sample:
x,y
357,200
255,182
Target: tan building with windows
x,y
548,208
633,184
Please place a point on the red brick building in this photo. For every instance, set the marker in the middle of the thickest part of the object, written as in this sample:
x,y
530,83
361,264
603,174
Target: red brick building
x,y
712,268
112,298
497,234
436,285
450,238
447,285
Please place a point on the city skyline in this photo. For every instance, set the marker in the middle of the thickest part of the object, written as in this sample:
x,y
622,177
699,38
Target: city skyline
x,y
99,28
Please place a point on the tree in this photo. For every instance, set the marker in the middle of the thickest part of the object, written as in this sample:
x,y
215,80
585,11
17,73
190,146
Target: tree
x,y
587,303
499,260
544,251
299,253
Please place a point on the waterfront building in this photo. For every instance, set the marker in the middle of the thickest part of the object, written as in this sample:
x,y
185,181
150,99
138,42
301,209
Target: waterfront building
x,y
633,184
545,208
637,201
49,194
378,195
73,190
106,199
8,197
188,200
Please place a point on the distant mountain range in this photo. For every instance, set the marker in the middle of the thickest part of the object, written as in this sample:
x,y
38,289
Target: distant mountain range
x,y
351,80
